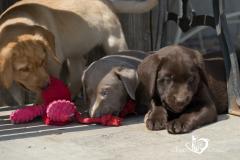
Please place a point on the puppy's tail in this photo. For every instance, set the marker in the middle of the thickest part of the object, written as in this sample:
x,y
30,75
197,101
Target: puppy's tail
x,y
133,6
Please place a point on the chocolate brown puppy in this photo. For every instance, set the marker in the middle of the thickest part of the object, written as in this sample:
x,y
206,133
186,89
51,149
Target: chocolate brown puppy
x,y
179,91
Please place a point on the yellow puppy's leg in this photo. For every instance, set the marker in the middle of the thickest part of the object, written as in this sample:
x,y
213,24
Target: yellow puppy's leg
x,y
76,68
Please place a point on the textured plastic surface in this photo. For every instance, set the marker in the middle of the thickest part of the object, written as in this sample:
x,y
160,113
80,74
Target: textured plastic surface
x,y
61,111
27,113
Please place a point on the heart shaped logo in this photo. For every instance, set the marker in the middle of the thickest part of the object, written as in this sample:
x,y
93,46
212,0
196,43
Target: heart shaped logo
x,y
198,145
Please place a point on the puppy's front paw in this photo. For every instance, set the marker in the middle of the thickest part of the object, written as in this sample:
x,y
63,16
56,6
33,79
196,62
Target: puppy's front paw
x,y
156,119
179,126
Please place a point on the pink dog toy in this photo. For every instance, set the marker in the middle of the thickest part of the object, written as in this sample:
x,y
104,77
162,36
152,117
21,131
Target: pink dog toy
x,y
27,113
56,90
61,111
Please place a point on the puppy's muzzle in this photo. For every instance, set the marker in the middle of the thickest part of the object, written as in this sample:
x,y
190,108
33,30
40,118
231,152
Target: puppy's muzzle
x,y
45,85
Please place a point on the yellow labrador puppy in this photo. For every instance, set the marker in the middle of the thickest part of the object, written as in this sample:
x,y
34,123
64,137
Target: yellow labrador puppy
x,y
37,36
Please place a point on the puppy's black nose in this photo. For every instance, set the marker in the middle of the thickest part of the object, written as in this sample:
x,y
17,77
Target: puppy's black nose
x,y
180,100
45,86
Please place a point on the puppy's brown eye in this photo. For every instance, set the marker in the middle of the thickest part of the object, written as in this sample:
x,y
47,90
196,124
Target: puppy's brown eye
x,y
45,49
42,63
25,69
191,79
166,79
104,92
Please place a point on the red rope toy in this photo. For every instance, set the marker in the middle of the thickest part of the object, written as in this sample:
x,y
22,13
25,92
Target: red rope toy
x,y
59,110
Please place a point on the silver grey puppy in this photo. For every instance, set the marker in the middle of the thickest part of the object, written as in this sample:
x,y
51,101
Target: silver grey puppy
x,y
110,81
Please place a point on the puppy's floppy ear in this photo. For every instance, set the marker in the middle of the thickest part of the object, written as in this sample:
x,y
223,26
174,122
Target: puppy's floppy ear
x,y
6,71
147,72
129,79
49,41
199,61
